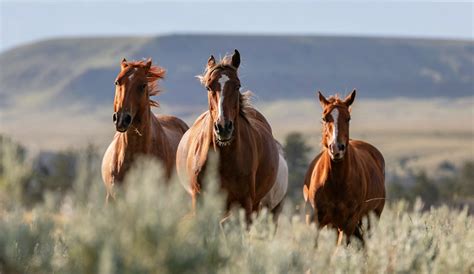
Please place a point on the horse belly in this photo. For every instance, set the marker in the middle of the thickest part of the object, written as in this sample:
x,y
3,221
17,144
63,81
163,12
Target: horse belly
x,y
336,211
278,191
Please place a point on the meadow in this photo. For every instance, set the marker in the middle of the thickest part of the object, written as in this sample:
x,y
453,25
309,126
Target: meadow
x,y
151,229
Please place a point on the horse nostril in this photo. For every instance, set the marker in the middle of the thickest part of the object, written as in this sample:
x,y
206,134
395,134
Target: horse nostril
x,y
216,127
230,125
341,147
127,119
114,117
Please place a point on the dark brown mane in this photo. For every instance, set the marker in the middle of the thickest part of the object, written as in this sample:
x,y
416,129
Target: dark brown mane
x,y
154,74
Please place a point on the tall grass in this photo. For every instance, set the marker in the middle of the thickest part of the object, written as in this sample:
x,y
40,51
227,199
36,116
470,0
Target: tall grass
x,y
150,229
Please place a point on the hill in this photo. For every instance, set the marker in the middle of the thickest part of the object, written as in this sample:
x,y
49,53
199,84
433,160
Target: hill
x,y
81,70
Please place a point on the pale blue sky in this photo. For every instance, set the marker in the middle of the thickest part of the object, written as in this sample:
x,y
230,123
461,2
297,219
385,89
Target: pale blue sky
x,y
24,22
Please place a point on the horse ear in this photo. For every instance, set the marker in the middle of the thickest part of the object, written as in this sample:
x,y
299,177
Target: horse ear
x,y
236,59
350,98
211,61
123,63
324,102
148,64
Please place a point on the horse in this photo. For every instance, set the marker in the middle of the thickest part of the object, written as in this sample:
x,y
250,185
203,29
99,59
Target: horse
x,y
251,166
138,130
345,182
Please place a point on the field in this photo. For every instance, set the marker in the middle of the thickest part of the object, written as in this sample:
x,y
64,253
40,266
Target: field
x,y
56,102
421,133
150,229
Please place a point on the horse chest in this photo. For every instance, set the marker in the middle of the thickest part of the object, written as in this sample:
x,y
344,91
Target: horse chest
x,y
336,204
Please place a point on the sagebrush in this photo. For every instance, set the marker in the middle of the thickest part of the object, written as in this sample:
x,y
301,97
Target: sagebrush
x,y
150,229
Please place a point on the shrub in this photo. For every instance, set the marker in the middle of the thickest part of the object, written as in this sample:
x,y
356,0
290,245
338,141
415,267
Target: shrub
x,y
150,228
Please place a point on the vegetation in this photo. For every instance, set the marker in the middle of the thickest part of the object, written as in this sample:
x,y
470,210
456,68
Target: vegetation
x,y
150,229
455,190
297,157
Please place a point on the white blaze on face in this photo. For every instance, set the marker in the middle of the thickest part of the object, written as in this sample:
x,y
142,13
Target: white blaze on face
x,y
335,131
222,80
132,74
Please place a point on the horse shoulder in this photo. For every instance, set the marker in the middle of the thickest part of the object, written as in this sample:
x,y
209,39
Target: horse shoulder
x,y
109,163
192,149
182,161
373,165
257,115
311,179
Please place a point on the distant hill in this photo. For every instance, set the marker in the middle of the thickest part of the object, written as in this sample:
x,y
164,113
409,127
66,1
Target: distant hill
x,y
274,67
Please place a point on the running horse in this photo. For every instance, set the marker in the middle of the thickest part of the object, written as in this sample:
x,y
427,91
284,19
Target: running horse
x,y
345,182
251,167
139,131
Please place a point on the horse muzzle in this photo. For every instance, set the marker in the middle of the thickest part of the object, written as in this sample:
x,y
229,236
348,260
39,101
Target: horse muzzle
x,y
337,151
122,120
224,132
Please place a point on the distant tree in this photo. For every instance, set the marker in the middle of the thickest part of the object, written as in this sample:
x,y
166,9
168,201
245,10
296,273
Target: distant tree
x,y
426,189
296,153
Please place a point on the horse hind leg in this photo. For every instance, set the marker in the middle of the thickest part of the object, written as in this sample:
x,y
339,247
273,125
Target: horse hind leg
x,y
276,211
358,233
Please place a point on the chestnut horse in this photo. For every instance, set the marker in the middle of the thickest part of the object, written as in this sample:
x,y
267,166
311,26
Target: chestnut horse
x,y
346,181
251,167
139,131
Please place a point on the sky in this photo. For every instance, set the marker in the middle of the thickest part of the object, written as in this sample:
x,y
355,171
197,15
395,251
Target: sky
x,y
23,22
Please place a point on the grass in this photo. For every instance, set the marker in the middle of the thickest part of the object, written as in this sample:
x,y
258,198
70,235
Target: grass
x,y
149,229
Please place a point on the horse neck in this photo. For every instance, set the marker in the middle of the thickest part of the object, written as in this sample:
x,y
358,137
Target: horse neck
x,y
338,171
139,137
239,130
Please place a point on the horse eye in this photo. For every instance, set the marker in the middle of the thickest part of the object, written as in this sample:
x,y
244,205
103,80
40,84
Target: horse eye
x,y
144,86
348,119
116,83
324,119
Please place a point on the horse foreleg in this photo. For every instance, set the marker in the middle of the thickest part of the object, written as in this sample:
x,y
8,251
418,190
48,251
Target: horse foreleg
x,y
309,214
340,235
193,203
276,211
359,234
109,197
248,207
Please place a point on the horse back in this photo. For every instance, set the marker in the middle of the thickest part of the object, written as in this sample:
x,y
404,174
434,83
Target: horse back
x,y
174,129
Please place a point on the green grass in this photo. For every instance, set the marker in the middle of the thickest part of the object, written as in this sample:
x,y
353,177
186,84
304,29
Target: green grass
x,y
149,229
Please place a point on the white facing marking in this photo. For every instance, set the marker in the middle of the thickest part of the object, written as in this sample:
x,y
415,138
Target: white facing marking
x,y
132,74
222,80
335,116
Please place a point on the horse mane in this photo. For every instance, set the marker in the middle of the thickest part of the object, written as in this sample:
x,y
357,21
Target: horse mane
x,y
154,74
335,100
226,64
